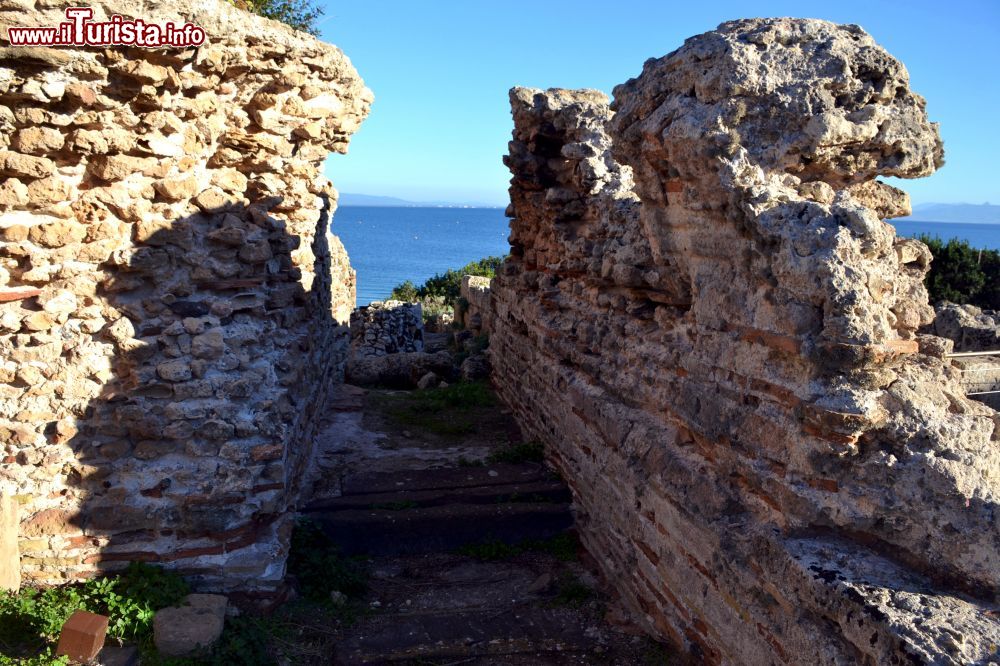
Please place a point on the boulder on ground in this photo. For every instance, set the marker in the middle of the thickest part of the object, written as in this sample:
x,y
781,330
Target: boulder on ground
x,y
196,625
475,367
430,380
399,370
969,327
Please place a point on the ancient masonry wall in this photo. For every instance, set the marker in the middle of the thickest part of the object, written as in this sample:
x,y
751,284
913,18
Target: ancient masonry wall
x,y
174,309
769,463
387,327
474,311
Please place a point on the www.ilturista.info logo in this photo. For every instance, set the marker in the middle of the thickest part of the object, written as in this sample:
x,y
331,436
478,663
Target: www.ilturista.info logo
x,y
79,30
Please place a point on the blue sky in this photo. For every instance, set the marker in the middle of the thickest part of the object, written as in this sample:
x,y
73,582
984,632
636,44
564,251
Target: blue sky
x,y
440,71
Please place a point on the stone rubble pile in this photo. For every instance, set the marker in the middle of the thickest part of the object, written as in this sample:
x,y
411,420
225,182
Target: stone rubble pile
x,y
722,357
173,310
387,327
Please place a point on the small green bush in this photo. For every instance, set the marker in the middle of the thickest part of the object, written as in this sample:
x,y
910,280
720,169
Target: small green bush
x,y
406,291
448,284
962,274
30,620
299,14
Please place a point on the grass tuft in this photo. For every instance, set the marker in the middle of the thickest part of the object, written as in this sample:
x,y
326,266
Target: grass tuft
x,y
518,453
563,547
451,410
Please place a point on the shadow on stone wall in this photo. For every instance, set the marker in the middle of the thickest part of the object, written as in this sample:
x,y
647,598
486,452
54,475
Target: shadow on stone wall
x,y
191,454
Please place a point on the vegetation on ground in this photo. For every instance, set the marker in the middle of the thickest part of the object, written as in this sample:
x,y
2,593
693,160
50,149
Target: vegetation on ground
x,y
299,14
572,592
474,345
442,293
518,453
31,619
301,632
564,547
450,410
319,568
963,274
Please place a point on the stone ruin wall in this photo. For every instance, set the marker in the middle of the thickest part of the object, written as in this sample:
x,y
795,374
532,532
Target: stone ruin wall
x,y
475,309
174,307
387,327
768,461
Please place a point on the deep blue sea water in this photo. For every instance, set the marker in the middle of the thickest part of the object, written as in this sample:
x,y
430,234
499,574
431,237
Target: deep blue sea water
x,y
982,236
390,245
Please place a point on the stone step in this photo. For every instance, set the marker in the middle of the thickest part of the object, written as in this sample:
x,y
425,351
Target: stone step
x,y
498,634
448,477
439,528
530,492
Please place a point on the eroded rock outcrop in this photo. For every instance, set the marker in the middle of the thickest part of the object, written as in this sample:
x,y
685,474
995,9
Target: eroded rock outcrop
x,y
175,308
767,458
972,329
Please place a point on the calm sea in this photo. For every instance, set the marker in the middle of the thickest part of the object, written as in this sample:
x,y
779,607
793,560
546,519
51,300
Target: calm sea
x,y
984,236
390,245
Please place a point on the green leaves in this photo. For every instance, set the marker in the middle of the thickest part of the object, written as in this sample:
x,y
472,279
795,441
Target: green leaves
x,y
32,619
448,284
962,274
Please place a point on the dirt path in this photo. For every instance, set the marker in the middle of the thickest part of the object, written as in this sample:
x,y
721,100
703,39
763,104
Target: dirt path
x,y
464,536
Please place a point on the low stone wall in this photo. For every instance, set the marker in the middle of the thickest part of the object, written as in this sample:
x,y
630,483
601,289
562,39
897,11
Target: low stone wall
x,y
386,327
768,461
174,307
475,308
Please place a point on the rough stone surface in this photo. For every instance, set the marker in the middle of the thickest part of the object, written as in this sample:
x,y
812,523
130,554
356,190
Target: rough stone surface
x,y
158,391
401,370
386,327
193,626
475,310
972,329
10,559
766,458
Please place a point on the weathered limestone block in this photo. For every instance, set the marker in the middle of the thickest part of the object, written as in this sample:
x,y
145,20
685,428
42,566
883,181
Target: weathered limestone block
x,y
971,329
399,369
474,309
767,459
178,309
10,560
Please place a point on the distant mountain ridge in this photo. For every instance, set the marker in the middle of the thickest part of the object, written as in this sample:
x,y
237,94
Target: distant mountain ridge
x,y
929,212
353,199
965,213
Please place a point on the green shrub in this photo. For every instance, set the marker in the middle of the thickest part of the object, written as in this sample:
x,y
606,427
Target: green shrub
x,y
30,620
406,291
299,14
962,274
447,285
